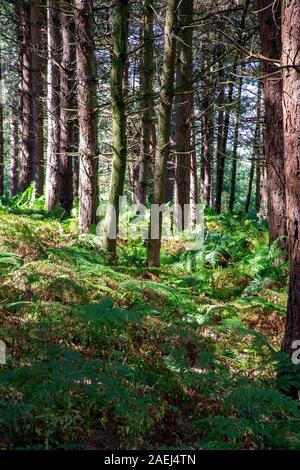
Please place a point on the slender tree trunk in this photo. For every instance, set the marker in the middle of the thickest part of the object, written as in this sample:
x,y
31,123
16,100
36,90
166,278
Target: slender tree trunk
x,y
54,45
148,103
25,101
225,121
274,150
228,112
164,126
1,137
263,211
170,184
207,142
291,126
76,158
258,185
256,149
220,141
194,192
87,104
234,158
67,107
249,192
13,151
119,125
37,93
184,104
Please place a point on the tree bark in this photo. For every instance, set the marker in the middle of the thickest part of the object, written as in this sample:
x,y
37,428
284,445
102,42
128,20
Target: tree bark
x,y
67,107
184,104
258,185
54,45
194,192
25,101
228,111
291,127
1,138
234,158
164,125
207,135
13,151
119,125
220,129
256,149
148,102
87,103
37,94
274,150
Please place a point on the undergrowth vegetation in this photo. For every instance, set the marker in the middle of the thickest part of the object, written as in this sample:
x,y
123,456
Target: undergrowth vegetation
x,y
182,357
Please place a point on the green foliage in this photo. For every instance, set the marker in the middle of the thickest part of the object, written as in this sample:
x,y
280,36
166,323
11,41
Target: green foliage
x,y
182,357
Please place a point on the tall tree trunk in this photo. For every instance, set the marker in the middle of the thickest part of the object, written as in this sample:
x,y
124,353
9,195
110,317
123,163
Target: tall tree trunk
x,y
87,104
67,107
119,125
25,101
207,135
256,149
250,183
164,127
54,45
37,93
274,151
194,192
220,129
184,103
228,111
13,151
263,210
222,139
234,157
76,158
1,137
258,185
148,103
291,126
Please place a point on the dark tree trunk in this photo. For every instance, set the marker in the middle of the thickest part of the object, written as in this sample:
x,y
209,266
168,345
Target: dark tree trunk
x,y
148,103
207,142
228,111
291,126
67,108
13,151
220,129
25,101
184,102
225,121
194,191
37,94
258,184
234,158
54,45
164,126
1,138
119,125
263,209
256,150
76,157
274,150
87,115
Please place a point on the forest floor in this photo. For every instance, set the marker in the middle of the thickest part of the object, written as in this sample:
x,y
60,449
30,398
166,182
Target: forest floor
x,y
184,357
